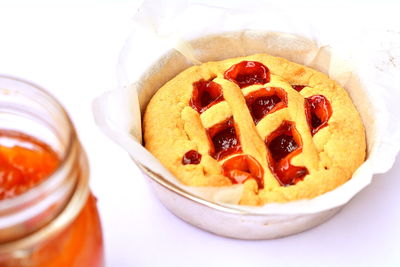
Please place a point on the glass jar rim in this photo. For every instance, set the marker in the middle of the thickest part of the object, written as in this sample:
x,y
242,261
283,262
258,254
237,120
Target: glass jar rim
x,y
29,195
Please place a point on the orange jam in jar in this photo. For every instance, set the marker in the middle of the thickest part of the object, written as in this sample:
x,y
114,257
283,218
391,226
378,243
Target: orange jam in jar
x,y
24,163
48,217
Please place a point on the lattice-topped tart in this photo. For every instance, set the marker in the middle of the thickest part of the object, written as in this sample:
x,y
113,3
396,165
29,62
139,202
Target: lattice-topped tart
x,y
284,130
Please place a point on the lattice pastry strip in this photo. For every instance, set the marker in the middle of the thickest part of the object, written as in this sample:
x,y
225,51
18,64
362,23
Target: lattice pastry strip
x,y
250,141
290,114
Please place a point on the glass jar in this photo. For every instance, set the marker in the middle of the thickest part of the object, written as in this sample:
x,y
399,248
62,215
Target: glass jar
x,y
55,223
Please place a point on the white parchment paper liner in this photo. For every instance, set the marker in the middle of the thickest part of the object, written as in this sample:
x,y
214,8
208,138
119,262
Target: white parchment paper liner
x,y
161,45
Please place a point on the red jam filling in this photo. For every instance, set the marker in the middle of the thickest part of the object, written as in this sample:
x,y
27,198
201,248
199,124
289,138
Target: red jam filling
x,y
191,157
223,139
283,144
318,111
265,101
247,73
205,95
298,88
242,168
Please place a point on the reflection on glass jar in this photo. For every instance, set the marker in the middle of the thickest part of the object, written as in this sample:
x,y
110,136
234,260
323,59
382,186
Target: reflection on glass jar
x,y
48,217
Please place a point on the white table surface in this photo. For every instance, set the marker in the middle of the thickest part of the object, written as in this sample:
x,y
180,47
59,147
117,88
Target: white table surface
x,y
71,49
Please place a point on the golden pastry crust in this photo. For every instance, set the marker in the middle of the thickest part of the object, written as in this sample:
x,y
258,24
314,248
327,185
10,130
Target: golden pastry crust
x,y
172,128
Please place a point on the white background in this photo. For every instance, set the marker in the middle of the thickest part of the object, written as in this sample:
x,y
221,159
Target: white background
x,y
72,48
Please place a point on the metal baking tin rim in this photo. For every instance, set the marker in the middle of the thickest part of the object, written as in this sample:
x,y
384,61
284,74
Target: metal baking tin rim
x,y
181,192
